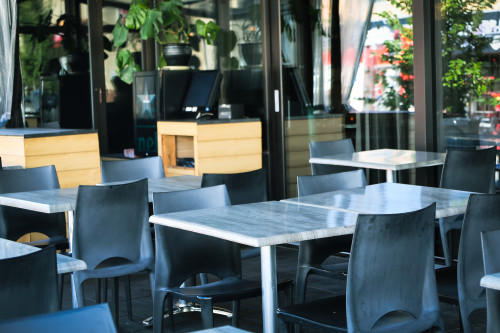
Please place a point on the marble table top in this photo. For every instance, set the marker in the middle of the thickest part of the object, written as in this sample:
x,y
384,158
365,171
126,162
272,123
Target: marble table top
x,y
65,264
63,200
262,224
384,159
387,198
491,281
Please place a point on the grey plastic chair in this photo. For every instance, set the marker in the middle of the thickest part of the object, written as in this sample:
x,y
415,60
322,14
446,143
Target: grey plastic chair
x,y
16,222
29,284
391,286
465,170
181,254
243,188
491,259
111,234
95,318
319,149
133,169
313,253
462,287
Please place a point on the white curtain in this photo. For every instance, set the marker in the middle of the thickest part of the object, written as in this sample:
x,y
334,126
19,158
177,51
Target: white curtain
x,y
354,21
8,27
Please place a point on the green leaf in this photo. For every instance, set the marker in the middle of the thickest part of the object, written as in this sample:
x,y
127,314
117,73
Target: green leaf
x,y
162,62
136,15
120,33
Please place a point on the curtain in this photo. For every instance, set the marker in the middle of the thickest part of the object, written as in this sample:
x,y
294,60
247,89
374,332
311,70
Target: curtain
x,y
8,27
355,18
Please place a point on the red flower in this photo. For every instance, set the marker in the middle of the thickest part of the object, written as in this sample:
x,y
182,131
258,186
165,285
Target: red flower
x,y
402,91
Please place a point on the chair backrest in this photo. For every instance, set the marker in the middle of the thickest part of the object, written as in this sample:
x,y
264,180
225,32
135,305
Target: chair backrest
x,y
391,271
111,223
319,149
181,254
133,169
482,214
95,318
309,185
15,222
29,284
244,187
470,170
490,241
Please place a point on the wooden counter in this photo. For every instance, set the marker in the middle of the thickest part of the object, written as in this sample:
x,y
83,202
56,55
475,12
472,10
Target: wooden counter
x,y
216,146
75,153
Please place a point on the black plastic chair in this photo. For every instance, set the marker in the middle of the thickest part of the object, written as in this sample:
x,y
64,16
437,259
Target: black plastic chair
x,y
29,284
391,286
491,259
181,254
243,188
133,169
462,286
16,222
465,170
334,147
111,234
96,318
313,253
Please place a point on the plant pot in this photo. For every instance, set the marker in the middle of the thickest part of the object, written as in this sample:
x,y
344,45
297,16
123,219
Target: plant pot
x,y
177,54
251,53
75,63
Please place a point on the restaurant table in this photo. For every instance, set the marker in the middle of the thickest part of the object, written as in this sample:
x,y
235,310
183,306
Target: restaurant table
x,y
268,224
65,264
390,160
387,198
64,200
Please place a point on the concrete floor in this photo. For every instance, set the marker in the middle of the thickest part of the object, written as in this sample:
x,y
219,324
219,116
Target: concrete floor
x,y
251,315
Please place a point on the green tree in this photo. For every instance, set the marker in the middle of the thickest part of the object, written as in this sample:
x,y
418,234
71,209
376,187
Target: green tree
x,y
463,76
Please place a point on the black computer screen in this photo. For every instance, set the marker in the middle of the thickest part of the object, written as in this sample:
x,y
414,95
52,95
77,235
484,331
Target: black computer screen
x,y
203,91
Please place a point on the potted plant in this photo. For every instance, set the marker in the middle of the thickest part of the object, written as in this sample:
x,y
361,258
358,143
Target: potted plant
x,y
165,23
251,46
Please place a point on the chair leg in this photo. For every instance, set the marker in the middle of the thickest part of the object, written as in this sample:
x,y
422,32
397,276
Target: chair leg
x,y
60,286
80,297
207,313
115,310
158,308
128,296
98,291
236,313
444,242
104,290
300,284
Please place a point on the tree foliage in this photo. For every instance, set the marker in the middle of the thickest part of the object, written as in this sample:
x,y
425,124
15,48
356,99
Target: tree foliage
x,y
463,76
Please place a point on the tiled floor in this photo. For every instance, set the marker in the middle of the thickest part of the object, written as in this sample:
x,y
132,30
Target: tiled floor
x,y
251,316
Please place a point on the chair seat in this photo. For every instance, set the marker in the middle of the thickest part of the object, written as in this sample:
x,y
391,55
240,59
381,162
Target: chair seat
x,y
337,270
116,270
225,290
329,314
60,242
326,314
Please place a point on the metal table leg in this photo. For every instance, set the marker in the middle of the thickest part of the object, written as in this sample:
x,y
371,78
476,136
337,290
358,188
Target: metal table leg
x,y
269,288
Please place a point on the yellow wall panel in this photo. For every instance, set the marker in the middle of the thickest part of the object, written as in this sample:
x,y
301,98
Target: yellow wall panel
x,y
13,160
230,164
69,161
176,128
11,145
229,148
314,125
61,144
228,131
73,178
